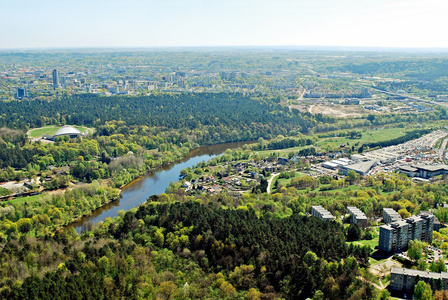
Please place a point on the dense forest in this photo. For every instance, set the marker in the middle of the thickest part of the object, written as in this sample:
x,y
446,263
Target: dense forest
x,y
160,249
255,246
233,111
420,69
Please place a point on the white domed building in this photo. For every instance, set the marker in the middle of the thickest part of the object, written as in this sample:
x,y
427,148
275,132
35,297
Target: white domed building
x,y
67,130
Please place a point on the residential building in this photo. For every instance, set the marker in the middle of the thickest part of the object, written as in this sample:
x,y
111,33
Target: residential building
x,y
21,93
357,216
321,213
365,93
402,279
394,237
390,215
113,89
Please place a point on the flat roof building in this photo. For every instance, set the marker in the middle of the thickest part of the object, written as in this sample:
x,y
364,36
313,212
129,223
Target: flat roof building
x,y
361,168
424,171
346,160
358,157
394,237
357,216
383,156
330,165
21,93
55,75
339,162
321,213
402,279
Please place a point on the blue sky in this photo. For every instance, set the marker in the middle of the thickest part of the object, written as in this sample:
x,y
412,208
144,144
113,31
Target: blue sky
x,y
138,23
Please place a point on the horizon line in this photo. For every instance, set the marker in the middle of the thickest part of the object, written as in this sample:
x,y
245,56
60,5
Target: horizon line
x,y
257,47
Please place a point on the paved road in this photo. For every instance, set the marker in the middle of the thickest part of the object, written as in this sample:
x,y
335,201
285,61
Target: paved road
x,y
410,97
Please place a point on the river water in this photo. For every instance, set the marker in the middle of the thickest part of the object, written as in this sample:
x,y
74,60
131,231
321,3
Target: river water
x,y
153,183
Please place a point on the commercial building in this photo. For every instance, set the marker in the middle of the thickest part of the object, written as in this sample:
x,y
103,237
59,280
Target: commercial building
x,y
394,237
342,161
361,168
424,171
358,158
383,157
357,216
402,279
321,213
55,74
330,165
390,215
408,170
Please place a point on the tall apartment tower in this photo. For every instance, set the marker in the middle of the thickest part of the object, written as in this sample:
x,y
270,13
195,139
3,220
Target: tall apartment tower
x,y
55,74
21,93
394,237
365,93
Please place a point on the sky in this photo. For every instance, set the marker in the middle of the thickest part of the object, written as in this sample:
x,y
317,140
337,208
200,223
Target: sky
x,y
186,23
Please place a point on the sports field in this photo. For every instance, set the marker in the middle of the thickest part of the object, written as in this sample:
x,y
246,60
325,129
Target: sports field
x,y
51,130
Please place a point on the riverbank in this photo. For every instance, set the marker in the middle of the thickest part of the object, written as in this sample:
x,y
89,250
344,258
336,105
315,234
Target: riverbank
x,y
154,182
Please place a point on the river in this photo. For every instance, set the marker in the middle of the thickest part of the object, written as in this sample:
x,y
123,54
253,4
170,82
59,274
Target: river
x,y
153,183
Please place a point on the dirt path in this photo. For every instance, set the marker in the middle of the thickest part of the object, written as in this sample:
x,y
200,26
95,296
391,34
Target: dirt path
x,y
374,284
270,181
301,95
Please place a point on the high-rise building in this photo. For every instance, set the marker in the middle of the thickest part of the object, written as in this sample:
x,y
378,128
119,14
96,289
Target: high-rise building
x,y
394,237
365,93
21,93
55,74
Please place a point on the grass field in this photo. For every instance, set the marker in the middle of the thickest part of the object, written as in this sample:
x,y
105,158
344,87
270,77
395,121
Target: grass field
x,y
285,181
284,152
4,192
371,243
368,136
23,199
51,130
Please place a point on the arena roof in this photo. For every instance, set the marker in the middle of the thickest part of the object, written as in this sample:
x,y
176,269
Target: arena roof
x,y
67,130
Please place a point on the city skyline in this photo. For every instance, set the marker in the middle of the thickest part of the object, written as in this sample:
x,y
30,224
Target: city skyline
x,y
198,23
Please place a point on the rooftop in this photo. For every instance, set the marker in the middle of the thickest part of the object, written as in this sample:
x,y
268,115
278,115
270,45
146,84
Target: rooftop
x,y
407,221
325,213
432,168
424,274
357,212
362,167
408,169
67,130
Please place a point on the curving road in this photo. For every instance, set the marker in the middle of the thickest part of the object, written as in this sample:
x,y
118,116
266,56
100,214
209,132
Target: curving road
x,y
270,181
